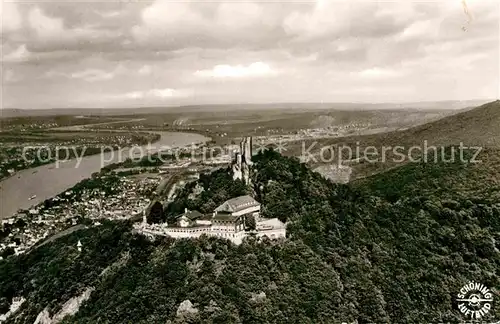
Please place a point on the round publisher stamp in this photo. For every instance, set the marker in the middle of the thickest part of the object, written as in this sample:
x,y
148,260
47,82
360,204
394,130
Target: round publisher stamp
x,y
475,300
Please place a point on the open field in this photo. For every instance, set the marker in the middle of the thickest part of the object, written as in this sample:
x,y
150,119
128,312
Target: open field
x,y
26,123
227,126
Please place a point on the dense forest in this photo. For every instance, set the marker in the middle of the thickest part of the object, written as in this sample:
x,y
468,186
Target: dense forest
x,y
396,248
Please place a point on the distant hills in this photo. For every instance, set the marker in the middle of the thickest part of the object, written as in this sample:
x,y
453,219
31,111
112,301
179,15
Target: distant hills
x,y
478,127
12,112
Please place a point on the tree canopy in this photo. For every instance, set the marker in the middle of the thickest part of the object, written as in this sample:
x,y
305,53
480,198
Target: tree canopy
x,y
353,253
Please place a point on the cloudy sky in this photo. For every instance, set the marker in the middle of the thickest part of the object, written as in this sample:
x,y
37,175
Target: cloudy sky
x,y
150,53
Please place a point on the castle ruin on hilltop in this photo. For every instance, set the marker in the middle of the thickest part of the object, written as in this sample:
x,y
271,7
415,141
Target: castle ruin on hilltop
x,y
243,160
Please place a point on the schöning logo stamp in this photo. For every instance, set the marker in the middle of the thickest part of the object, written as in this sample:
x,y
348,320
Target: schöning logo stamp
x,y
475,300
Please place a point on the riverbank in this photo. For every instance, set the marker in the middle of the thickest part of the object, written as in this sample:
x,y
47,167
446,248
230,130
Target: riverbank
x,y
51,179
33,149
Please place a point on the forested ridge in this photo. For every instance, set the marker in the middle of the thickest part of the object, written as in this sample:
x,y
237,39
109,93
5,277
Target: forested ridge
x,y
393,248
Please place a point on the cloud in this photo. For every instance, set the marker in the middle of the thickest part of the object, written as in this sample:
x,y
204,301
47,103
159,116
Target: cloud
x,y
173,25
341,18
51,33
257,69
145,70
109,14
419,29
302,50
89,74
158,93
10,76
93,75
376,73
168,20
20,54
244,15
45,26
11,17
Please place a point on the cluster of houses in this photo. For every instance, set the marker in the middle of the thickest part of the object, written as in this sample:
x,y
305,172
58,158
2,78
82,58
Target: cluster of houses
x,y
230,221
129,198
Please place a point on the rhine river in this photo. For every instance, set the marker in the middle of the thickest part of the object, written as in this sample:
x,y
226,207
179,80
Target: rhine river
x,y
49,180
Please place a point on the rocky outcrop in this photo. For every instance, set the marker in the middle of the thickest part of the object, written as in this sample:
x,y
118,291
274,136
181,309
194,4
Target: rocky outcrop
x,y
258,298
16,304
69,308
186,309
43,317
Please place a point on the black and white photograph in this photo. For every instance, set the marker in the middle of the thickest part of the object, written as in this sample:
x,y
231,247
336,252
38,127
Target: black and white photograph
x,y
250,161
